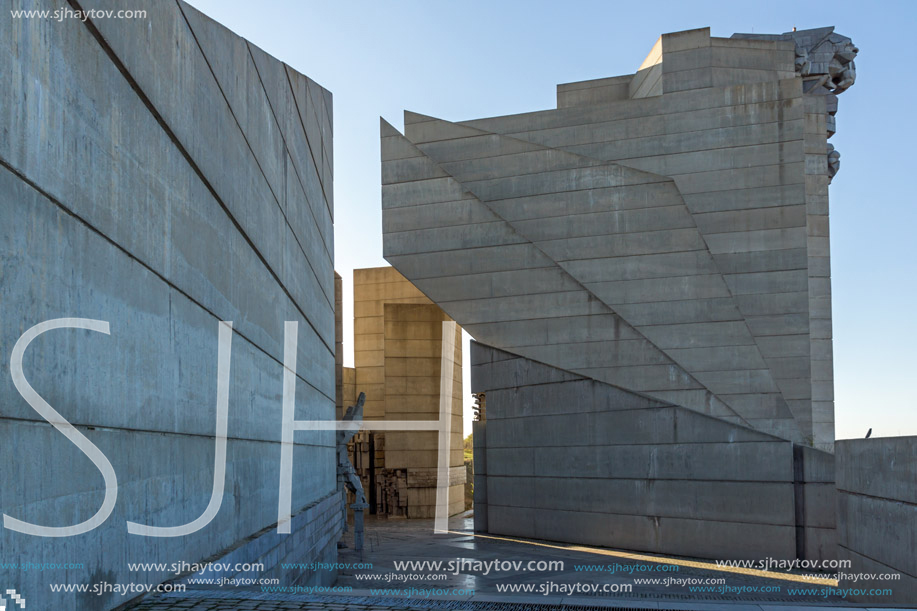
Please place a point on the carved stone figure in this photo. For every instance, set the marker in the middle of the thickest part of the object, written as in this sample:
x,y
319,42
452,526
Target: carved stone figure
x,y
825,56
824,59
834,161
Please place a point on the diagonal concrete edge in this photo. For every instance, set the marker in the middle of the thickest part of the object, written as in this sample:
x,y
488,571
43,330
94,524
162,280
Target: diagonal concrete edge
x,y
446,130
436,136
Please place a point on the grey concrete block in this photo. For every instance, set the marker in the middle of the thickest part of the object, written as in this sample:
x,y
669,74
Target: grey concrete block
x,y
719,358
699,334
648,379
515,372
481,260
593,95
499,284
415,193
759,461
821,544
655,290
638,243
558,330
755,406
681,311
599,354
820,504
462,212
698,500
903,588
666,535
766,261
883,468
641,267
674,216
880,529
456,237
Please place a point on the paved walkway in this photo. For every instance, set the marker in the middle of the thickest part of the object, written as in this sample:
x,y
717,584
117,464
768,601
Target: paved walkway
x,y
464,585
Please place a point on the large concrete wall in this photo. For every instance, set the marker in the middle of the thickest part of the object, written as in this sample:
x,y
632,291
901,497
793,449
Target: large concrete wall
x,y
567,458
664,231
877,514
161,174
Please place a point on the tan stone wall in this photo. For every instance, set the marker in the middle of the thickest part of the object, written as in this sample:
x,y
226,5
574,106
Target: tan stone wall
x,y
413,341
397,357
348,387
372,289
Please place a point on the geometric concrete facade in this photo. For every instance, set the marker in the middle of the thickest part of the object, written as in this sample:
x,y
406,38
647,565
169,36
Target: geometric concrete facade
x,y
161,174
665,232
398,358
568,458
645,270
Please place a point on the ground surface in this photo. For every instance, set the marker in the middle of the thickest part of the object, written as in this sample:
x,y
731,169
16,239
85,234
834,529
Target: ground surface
x,y
383,586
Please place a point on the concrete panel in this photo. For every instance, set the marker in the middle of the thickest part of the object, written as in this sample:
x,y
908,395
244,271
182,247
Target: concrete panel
x,y
876,512
660,535
115,205
903,588
860,461
879,528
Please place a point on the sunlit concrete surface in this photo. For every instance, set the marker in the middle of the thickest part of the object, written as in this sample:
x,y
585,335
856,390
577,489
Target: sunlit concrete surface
x,y
389,541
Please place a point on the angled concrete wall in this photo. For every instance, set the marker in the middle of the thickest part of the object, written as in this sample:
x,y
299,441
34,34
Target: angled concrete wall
x,y
664,231
567,458
161,174
877,515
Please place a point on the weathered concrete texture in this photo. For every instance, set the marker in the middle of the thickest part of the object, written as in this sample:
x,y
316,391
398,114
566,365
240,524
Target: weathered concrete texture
x,y
572,459
315,532
340,402
398,354
664,231
877,513
161,174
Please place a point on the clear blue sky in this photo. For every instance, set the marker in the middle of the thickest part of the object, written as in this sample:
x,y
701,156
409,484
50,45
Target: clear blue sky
x,y
470,59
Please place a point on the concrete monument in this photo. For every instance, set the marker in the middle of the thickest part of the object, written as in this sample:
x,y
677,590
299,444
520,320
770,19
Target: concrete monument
x,y
664,235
